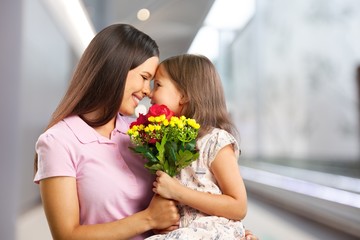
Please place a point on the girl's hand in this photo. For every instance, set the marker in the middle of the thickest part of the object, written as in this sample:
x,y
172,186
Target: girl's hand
x,y
165,185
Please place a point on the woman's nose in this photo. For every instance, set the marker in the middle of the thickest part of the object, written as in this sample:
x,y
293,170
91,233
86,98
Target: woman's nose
x,y
150,94
146,89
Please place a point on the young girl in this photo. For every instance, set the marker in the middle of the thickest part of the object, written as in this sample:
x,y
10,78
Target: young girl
x,y
210,192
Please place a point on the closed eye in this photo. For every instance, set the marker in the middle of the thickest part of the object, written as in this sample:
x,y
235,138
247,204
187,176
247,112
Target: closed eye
x,y
157,84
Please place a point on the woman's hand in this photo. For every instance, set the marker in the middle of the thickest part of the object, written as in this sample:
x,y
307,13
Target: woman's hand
x,y
166,186
166,230
163,213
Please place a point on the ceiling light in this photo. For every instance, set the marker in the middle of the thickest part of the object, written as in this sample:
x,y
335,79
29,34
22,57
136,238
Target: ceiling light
x,y
143,14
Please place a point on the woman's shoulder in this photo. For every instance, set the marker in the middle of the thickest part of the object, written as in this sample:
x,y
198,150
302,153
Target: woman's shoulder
x,y
57,129
61,130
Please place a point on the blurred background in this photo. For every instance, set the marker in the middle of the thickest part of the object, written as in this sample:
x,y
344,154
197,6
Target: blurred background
x,y
291,72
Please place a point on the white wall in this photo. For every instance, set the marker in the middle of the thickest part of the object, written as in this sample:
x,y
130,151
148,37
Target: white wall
x,y
46,68
294,71
10,49
35,65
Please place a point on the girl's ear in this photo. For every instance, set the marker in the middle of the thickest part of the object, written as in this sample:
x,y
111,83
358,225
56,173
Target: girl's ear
x,y
184,99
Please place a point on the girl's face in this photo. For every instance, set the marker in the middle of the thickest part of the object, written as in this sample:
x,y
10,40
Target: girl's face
x,y
138,85
165,92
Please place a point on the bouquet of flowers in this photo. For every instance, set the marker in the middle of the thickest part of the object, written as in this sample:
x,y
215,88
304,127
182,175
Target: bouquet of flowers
x,y
166,141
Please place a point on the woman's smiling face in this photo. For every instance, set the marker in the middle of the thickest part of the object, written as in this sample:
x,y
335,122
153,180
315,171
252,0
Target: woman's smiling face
x,y
138,85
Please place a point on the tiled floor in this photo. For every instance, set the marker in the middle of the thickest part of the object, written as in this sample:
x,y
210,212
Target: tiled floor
x,y
266,221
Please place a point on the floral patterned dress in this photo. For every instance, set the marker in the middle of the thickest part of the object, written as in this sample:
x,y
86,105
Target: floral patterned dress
x,y
194,224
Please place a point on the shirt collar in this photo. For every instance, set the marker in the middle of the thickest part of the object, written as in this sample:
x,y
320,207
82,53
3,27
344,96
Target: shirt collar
x,y
86,134
123,123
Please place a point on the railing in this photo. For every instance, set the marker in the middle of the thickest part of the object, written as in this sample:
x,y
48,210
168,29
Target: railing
x,y
330,199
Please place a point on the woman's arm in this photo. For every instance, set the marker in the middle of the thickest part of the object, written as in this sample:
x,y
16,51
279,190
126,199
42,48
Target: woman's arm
x,y
232,203
61,205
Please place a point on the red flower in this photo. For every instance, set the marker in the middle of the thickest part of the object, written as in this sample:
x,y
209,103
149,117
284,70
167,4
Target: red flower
x,y
142,119
153,140
158,110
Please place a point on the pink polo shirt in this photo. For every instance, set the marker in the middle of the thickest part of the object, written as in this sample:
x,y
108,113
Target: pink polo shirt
x,y
112,182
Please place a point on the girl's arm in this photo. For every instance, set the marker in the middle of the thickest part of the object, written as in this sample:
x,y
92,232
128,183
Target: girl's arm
x,y
231,204
61,205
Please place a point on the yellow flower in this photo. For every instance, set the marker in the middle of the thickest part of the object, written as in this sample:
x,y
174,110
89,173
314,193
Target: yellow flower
x,y
174,119
162,118
192,123
166,122
151,127
135,134
151,119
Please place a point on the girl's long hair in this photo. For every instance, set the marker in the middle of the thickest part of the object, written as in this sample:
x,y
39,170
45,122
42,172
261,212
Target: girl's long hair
x,y
197,79
99,80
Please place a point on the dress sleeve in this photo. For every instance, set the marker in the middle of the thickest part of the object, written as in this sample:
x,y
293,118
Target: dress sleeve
x,y
54,159
218,140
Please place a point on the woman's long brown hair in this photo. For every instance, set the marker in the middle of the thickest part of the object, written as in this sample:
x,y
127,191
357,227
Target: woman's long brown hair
x,y
99,80
197,79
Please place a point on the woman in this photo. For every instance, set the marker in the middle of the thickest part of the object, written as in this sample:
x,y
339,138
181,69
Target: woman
x,y
89,187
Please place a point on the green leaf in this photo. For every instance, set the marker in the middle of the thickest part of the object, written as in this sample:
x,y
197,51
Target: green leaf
x,y
171,159
153,167
150,157
145,152
190,145
167,168
170,151
185,158
161,149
